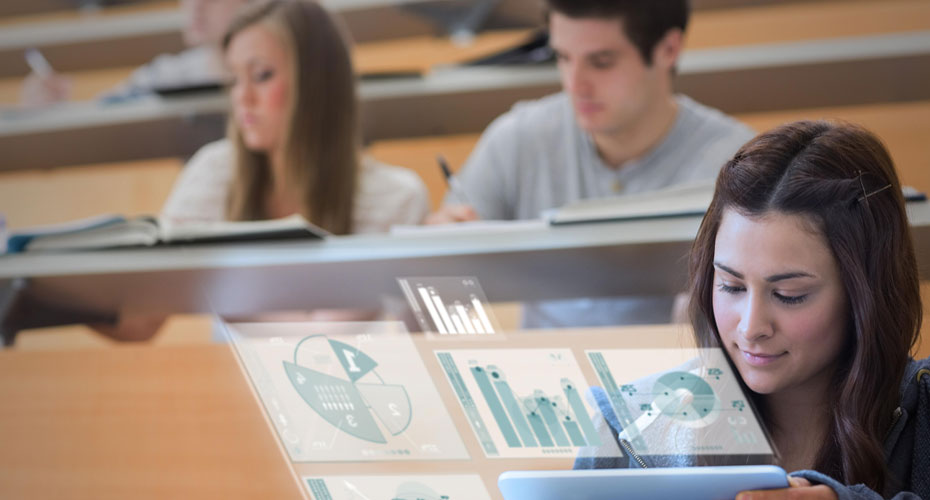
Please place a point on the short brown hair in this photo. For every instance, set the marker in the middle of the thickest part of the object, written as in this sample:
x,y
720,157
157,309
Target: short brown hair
x,y
645,22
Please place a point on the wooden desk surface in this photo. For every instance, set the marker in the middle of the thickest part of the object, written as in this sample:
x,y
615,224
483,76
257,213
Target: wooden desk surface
x,y
181,422
135,422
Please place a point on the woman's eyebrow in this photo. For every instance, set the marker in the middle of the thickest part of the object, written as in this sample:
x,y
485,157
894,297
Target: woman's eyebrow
x,y
788,276
727,270
770,279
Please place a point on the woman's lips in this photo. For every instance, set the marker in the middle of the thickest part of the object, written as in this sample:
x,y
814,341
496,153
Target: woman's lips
x,y
587,108
247,120
761,359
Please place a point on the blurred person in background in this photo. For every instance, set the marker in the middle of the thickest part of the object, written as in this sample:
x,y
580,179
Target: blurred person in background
x,y
293,142
617,128
201,64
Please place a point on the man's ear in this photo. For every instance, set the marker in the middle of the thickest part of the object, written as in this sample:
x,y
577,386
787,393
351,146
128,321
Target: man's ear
x,y
666,53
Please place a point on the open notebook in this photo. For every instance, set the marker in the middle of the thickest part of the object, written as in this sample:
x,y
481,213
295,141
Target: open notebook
x,y
111,231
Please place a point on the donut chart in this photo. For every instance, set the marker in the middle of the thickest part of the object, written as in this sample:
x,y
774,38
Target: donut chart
x,y
687,398
356,400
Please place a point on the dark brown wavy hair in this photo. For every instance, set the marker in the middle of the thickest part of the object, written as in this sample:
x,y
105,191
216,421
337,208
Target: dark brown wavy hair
x,y
840,178
322,136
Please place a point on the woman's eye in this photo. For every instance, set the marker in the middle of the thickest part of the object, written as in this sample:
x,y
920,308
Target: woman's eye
x,y
723,287
263,76
790,299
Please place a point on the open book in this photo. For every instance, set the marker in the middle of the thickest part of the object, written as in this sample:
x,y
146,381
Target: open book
x,y
111,231
684,199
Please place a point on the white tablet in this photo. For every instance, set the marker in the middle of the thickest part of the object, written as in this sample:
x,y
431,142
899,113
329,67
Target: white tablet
x,y
696,483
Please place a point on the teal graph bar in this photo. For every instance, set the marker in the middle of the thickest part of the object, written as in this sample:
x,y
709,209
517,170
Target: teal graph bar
x,y
539,427
318,489
581,413
471,409
573,431
516,414
616,399
497,409
551,420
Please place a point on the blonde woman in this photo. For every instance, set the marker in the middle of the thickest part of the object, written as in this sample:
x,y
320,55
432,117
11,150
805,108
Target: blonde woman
x,y
293,140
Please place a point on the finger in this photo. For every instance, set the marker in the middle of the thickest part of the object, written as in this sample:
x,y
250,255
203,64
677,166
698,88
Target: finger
x,y
779,494
438,218
755,495
798,482
810,492
465,213
452,213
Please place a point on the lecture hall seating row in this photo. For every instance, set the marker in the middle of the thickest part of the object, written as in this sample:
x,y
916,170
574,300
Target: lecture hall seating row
x,y
88,190
792,74
708,29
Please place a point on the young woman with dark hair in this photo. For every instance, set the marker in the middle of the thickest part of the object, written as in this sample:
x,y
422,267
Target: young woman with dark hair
x,y
804,273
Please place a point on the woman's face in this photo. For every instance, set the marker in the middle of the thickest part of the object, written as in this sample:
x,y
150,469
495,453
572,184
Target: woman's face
x,y
779,303
261,93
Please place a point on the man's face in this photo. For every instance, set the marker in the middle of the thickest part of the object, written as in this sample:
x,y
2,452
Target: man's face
x,y
610,85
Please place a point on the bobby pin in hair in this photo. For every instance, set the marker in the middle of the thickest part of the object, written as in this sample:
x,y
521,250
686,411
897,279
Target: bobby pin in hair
x,y
865,196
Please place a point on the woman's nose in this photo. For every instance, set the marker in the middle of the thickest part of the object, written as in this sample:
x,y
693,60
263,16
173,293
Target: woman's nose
x,y
755,318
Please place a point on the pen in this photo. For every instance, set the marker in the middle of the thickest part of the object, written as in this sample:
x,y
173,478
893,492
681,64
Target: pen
x,y
453,183
38,63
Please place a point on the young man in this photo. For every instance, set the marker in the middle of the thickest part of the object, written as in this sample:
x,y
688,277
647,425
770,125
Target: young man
x,y
616,128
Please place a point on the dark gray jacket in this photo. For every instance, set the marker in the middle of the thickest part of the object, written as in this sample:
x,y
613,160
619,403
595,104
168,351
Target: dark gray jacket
x,y
907,446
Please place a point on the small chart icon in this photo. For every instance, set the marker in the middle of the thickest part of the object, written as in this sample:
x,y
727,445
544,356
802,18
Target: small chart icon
x,y
450,306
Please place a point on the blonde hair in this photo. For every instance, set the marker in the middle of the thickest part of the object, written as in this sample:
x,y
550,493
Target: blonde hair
x,y
321,139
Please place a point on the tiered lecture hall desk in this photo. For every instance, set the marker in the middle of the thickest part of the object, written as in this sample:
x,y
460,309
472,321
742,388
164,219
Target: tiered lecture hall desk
x,y
836,54
180,422
525,263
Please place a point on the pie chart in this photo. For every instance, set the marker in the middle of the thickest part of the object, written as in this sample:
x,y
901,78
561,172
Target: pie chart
x,y
341,384
687,398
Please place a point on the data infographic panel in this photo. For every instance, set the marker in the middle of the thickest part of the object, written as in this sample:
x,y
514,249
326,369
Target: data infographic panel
x,y
450,306
679,402
446,487
337,392
522,403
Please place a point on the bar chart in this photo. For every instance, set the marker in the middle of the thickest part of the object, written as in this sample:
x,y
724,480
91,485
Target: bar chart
x,y
522,403
449,306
